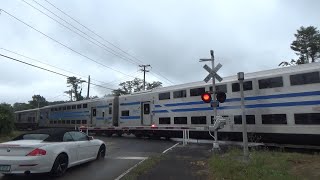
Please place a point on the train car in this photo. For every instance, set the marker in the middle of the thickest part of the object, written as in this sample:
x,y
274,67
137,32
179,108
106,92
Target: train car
x,y
282,106
27,119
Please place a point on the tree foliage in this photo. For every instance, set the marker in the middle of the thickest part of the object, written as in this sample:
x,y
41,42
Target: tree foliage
x,y
76,88
38,101
306,45
21,106
6,118
135,85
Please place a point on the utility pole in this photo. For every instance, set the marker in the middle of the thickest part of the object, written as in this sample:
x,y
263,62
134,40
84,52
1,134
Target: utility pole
x,y
244,119
88,87
144,74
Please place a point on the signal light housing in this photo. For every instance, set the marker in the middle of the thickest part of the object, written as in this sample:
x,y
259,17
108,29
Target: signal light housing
x,y
221,97
206,97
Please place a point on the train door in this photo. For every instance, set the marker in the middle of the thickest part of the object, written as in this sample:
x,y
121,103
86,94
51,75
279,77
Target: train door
x,y
146,116
93,116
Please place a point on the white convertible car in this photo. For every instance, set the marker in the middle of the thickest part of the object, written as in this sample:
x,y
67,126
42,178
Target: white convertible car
x,y
48,150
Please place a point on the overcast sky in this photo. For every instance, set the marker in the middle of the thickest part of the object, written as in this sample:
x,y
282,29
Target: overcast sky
x,y
171,35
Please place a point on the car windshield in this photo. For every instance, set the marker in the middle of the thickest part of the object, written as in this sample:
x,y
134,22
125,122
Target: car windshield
x,y
32,137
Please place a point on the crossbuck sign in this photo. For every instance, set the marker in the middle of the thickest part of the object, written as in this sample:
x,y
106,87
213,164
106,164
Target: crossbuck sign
x,y
212,73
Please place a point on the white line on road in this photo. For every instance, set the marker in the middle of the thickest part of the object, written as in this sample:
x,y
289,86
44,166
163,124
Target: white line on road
x,y
131,158
170,148
123,174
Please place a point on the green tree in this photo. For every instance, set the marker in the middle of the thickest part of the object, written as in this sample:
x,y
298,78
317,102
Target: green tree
x,y
154,84
6,119
21,106
76,88
38,101
135,85
306,45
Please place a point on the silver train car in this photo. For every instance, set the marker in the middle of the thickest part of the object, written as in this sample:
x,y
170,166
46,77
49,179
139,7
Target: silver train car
x,y
282,106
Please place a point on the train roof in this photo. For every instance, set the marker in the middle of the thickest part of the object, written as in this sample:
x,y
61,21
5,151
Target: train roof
x,y
258,74
68,103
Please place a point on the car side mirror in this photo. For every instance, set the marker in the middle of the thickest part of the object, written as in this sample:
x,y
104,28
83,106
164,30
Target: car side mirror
x,y
90,138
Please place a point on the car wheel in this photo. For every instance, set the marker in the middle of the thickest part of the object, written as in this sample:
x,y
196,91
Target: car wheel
x,y
101,152
60,165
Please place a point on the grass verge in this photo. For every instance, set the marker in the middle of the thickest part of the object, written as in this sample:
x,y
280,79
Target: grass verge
x,y
144,167
13,134
264,165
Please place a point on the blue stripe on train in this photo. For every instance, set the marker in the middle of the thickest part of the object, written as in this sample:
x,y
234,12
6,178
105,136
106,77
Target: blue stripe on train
x,y
129,103
253,98
103,106
285,104
130,117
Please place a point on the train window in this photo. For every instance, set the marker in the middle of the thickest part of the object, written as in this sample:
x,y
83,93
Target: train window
x,y
50,122
164,120
180,94
125,113
60,108
68,107
102,114
19,117
67,121
52,109
94,112
220,88
85,105
250,119
55,109
305,78
79,106
110,108
54,122
274,119
163,96
73,121
246,86
270,83
146,108
64,108
180,120
74,107
307,118
199,120
63,122
84,121
78,121
197,91
47,115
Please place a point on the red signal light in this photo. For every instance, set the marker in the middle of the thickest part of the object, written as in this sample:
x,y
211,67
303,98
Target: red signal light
x,y
206,97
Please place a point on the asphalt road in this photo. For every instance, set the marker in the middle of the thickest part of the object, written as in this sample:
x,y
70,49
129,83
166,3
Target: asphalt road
x,y
122,154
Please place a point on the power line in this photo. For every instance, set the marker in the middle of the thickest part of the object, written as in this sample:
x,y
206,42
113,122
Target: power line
x,y
108,49
63,44
93,32
156,72
14,59
47,64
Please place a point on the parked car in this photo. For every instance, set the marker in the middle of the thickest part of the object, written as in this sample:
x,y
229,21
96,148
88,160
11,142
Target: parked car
x,y
49,150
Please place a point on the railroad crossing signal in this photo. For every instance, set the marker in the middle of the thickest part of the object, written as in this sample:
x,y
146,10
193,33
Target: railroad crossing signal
x,y
212,73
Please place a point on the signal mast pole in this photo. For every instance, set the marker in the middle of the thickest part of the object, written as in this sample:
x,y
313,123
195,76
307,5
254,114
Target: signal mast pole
x,y
214,101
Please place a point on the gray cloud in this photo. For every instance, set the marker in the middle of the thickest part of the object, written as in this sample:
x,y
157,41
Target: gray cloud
x,y
170,35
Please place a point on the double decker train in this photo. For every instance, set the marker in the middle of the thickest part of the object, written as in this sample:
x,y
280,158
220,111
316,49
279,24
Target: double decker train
x,y
282,106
